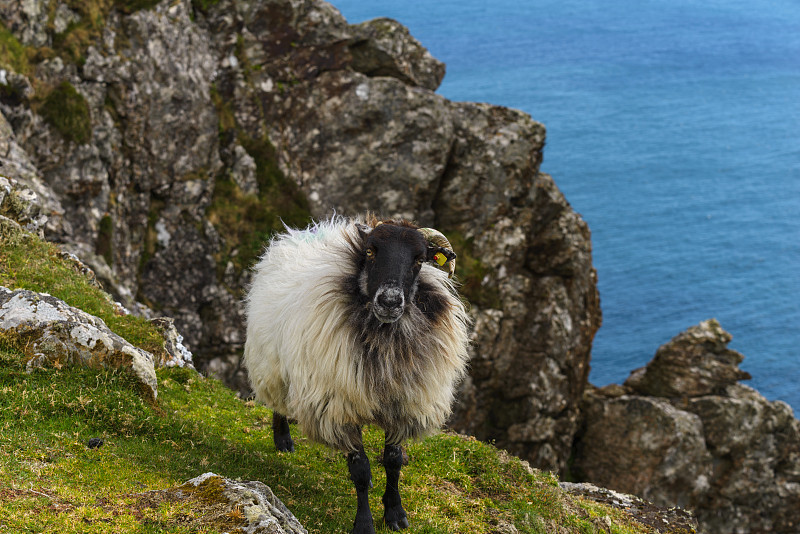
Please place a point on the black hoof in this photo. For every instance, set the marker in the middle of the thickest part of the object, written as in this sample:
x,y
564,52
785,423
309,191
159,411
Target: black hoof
x,y
400,525
284,444
395,518
363,527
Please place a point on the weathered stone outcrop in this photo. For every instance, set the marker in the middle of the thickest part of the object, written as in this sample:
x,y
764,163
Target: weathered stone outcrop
x,y
135,194
682,432
261,511
24,196
201,128
56,334
666,520
384,47
694,363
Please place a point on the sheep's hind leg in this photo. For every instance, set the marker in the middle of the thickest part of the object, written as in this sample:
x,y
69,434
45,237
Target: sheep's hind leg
x,y
393,513
360,474
280,433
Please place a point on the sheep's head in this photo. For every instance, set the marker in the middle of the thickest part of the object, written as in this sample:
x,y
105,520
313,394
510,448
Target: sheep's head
x,y
393,257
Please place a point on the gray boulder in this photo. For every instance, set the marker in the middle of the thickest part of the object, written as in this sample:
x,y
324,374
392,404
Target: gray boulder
x,y
263,512
643,446
56,334
667,520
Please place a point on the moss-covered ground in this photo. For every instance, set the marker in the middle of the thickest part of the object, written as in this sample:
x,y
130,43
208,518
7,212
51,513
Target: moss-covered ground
x,y
51,481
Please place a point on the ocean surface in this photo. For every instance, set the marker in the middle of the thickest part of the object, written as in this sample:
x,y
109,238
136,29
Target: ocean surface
x,y
674,130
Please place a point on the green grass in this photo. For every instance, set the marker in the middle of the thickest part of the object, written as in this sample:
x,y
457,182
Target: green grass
x,y
27,262
51,482
67,111
13,55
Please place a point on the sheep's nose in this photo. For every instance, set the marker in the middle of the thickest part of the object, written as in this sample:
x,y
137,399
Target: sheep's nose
x,y
388,304
390,298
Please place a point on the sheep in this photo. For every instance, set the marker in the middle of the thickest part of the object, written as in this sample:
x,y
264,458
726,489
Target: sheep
x,y
348,324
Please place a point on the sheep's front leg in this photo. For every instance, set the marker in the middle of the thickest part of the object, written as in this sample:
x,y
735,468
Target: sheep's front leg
x,y
360,474
393,514
280,433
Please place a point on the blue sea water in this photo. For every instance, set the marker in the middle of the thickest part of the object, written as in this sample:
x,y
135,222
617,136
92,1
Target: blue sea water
x,y
674,130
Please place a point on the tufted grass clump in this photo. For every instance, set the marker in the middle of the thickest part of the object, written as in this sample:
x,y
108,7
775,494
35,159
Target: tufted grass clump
x,y
65,109
13,54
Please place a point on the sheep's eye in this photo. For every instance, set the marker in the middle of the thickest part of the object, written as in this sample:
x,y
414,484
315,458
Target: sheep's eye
x,y
370,253
419,262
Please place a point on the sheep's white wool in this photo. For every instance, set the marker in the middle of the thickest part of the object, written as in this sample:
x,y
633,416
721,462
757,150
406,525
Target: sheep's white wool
x,y
307,359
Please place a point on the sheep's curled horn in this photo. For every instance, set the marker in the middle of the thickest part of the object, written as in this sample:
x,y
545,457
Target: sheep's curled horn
x,y
436,238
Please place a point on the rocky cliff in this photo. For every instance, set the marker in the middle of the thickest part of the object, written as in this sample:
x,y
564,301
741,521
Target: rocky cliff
x,y
168,140
684,432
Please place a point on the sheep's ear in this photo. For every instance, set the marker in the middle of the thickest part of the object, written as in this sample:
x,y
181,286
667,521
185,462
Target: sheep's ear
x,y
440,251
440,255
363,230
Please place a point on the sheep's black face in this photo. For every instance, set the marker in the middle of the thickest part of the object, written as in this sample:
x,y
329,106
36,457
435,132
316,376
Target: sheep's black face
x,y
393,257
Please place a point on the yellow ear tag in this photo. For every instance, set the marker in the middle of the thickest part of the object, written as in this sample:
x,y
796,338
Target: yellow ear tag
x,y
440,258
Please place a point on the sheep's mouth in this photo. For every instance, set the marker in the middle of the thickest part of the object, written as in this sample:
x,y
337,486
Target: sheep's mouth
x,y
388,303
387,315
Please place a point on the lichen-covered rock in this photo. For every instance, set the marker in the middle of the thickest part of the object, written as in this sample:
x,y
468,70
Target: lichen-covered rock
x,y
263,512
24,196
175,352
57,334
159,146
643,446
384,47
755,449
532,286
663,520
693,363
704,443
27,19
355,143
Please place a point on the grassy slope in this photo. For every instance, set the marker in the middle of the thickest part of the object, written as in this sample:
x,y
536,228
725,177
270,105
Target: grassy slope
x,y
50,481
27,262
